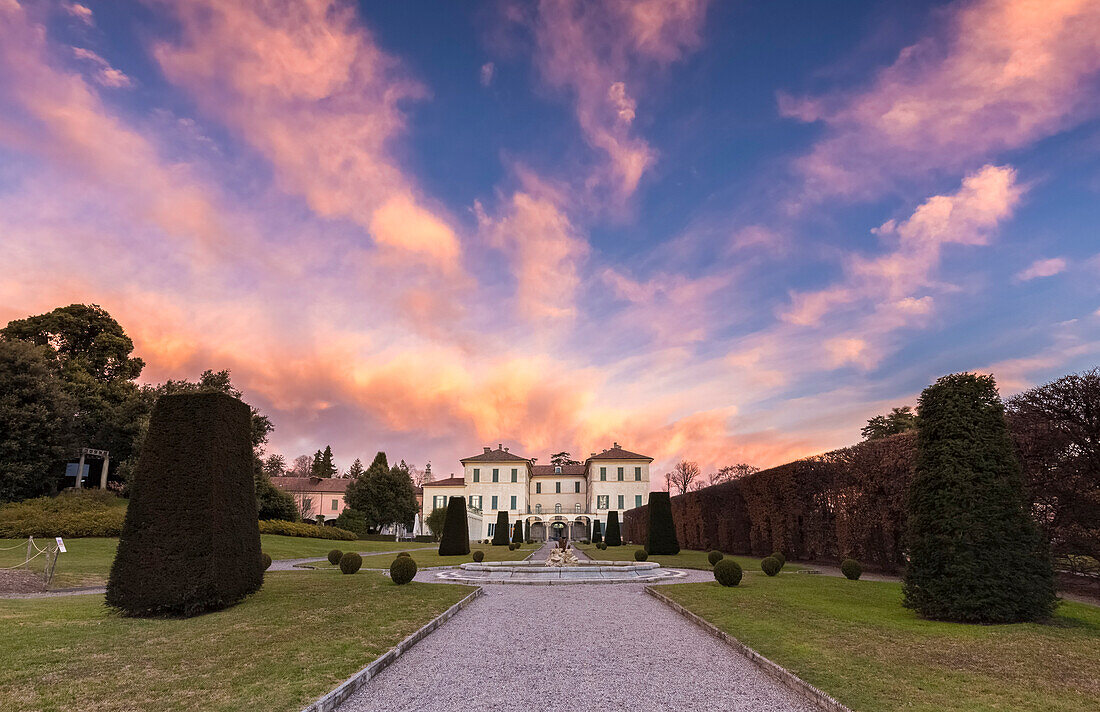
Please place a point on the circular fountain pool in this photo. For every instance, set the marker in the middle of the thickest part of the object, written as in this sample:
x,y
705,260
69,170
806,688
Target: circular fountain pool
x,y
540,573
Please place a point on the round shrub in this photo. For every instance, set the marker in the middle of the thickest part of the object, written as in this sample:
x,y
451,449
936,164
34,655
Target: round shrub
x,y
770,566
404,553
851,569
266,559
601,546
714,557
641,555
479,556
350,562
334,556
780,558
727,572
511,546
402,570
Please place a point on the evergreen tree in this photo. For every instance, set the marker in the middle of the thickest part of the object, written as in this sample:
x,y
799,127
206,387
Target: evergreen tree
x,y
662,529
356,470
613,537
597,535
517,532
456,530
974,553
323,466
500,534
384,495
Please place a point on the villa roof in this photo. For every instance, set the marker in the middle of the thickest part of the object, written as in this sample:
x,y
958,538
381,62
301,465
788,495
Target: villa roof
x,y
311,484
501,454
545,470
449,482
617,453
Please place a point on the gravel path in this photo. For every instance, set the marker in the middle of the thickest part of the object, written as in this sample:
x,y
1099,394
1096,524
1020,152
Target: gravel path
x,y
571,647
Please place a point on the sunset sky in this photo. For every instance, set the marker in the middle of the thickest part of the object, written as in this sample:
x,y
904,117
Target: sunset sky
x,y
727,232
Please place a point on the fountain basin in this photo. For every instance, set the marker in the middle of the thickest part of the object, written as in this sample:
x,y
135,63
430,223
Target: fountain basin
x,y
538,573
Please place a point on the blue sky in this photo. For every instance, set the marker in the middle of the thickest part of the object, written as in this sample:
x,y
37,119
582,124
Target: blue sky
x,y
723,232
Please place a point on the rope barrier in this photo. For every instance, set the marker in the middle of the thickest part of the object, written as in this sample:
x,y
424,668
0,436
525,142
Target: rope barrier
x,y
40,552
9,548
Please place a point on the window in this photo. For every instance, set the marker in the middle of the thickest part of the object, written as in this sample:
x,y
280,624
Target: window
x,y
513,502
475,501
637,500
538,509
557,487
439,502
603,473
496,474
557,508
621,502
577,509
477,474
557,469
577,487
637,474
335,504
620,474
538,488
601,501
494,501
492,528
515,475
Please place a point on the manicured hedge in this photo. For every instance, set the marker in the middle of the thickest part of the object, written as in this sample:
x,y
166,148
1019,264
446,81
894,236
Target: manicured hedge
x,y
517,533
190,543
501,532
75,513
661,535
312,531
456,529
612,537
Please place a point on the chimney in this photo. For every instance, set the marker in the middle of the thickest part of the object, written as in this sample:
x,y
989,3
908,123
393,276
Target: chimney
x,y
500,446
592,455
505,449
616,446
487,450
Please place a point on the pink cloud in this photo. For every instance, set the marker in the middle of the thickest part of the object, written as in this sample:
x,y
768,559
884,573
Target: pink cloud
x,y
105,74
599,53
998,75
1042,268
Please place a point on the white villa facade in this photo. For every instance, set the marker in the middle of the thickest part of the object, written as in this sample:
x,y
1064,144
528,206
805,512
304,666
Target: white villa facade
x,y
550,500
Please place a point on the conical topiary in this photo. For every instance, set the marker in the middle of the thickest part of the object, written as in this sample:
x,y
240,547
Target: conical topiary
x,y
191,541
975,555
662,530
597,535
613,537
517,532
456,530
500,535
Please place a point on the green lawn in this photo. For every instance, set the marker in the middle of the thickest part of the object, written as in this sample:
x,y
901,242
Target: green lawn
x,y
296,639
88,561
854,640
686,559
431,557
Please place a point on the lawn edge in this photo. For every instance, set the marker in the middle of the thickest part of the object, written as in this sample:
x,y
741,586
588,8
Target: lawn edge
x,y
344,690
772,669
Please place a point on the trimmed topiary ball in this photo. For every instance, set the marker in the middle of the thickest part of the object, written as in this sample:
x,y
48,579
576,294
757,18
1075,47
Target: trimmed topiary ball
x,y
479,556
350,562
266,559
714,557
641,555
334,556
780,558
770,566
727,572
851,569
404,553
511,547
402,570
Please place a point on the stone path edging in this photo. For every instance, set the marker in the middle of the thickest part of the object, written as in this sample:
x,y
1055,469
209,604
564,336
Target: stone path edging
x,y
333,699
776,671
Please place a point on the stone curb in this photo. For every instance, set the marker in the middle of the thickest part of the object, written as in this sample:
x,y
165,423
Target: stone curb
x,y
336,697
778,672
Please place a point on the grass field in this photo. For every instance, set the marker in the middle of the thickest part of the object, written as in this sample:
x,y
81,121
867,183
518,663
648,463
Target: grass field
x,y
88,561
854,640
686,559
431,556
296,639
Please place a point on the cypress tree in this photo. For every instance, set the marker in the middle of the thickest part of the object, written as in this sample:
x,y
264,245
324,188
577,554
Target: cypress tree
x,y
597,536
517,533
191,542
456,530
526,530
662,529
500,535
975,555
613,537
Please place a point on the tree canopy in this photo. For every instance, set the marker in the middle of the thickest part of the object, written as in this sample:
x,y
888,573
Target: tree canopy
x,y
563,458
898,420
384,495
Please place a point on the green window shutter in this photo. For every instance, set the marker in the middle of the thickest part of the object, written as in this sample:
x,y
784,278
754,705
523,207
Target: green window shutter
x,y
637,500
496,474
515,475
477,474
620,502
603,473
620,473
637,474
513,502
494,501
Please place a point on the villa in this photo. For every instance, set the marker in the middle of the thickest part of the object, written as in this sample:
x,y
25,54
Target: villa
x,y
550,500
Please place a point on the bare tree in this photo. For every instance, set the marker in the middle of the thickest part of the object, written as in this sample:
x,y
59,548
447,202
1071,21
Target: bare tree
x,y
419,476
732,472
303,465
683,475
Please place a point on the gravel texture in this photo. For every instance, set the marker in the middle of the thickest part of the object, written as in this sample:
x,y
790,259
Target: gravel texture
x,y
571,647
20,581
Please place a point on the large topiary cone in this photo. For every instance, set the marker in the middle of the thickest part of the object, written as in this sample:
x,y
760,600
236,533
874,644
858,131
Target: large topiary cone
x,y
662,530
456,530
191,542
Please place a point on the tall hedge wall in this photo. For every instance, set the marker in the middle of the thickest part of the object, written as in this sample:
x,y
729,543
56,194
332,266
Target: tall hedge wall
x,y
844,503
191,542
